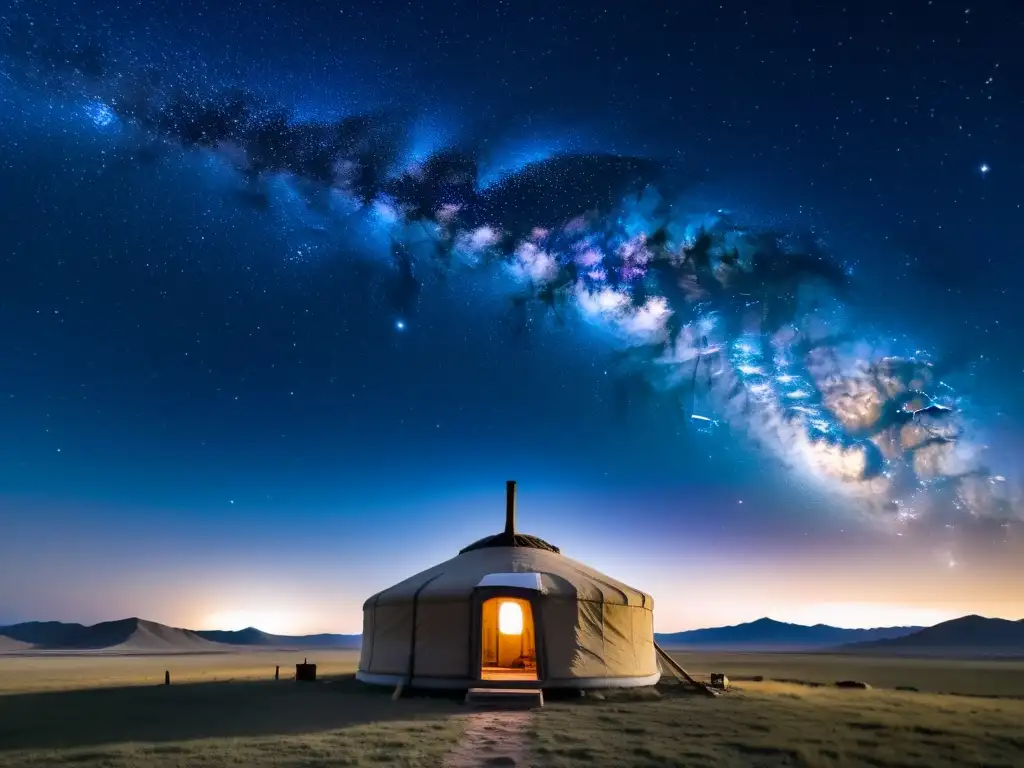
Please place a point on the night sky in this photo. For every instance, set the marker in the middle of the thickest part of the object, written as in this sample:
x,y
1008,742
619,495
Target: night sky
x,y
289,289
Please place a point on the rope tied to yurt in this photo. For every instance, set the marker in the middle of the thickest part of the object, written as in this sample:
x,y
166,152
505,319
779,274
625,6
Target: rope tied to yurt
x,y
682,674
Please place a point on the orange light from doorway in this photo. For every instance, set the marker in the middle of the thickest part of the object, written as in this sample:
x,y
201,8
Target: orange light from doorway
x,y
510,619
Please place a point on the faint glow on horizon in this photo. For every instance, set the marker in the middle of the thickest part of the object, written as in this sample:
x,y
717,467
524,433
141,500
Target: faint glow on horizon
x,y
273,622
865,615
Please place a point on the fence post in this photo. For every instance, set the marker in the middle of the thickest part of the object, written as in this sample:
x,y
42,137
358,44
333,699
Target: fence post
x,y
167,677
277,672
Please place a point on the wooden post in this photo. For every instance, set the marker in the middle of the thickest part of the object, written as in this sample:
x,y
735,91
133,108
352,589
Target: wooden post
x,y
277,672
167,677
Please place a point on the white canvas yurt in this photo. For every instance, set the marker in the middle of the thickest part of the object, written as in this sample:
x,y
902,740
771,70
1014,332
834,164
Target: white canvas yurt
x,y
509,611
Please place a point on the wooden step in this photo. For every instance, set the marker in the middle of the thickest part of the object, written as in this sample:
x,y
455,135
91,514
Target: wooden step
x,y
506,698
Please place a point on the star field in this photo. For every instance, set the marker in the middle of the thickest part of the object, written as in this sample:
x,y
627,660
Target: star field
x,y
747,266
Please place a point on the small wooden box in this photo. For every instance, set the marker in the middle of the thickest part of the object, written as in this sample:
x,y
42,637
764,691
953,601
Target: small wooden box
x,y
305,672
719,680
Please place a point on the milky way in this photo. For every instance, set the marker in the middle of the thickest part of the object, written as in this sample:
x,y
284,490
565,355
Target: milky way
x,y
749,331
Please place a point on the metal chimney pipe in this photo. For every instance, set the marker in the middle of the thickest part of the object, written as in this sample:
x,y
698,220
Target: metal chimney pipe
x,y
510,508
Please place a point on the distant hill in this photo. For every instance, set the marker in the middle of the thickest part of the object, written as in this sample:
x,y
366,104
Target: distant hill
x,y
966,636
8,644
136,635
256,637
45,634
126,635
768,634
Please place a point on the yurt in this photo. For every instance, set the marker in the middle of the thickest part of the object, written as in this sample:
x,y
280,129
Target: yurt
x,y
509,611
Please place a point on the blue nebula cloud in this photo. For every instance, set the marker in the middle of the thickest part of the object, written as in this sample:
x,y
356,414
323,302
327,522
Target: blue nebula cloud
x,y
101,115
426,137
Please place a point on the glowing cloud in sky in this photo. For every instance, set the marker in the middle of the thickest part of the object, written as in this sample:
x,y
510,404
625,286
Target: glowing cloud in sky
x,y
745,328
513,157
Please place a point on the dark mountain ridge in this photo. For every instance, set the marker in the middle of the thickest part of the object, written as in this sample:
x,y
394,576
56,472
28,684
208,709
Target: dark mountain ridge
x,y
767,633
967,635
127,634
250,636
141,635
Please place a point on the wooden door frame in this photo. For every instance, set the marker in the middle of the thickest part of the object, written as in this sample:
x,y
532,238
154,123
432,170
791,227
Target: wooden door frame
x,y
480,596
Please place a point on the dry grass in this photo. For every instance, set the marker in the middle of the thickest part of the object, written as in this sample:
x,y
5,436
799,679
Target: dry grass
x,y
62,672
775,724
243,723
88,711
979,677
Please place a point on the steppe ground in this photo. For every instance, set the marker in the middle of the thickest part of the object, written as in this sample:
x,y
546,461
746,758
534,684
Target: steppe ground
x,y
225,709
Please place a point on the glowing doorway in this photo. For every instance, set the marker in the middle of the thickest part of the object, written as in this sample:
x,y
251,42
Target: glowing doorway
x,y
508,649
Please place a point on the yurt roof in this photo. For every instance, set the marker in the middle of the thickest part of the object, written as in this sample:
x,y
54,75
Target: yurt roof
x,y
509,553
509,537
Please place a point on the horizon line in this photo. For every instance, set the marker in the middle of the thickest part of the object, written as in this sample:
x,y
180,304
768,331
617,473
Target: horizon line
x,y
358,634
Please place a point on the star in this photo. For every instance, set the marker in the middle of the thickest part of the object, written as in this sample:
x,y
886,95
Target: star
x,y
399,325
985,168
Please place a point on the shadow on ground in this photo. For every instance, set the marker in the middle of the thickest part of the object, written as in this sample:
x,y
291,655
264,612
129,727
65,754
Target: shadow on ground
x,y
187,711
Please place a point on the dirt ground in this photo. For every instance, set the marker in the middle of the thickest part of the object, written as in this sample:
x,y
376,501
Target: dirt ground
x,y
226,709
